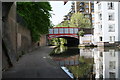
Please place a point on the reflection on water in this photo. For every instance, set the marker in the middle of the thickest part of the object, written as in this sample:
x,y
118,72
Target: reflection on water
x,y
89,62
63,51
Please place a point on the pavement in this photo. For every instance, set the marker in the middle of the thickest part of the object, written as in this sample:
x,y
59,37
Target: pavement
x,y
37,64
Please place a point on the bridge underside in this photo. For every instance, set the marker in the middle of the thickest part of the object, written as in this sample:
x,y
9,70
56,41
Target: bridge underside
x,y
62,36
71,41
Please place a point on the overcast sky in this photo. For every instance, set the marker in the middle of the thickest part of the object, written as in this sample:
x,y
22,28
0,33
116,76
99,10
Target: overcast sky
x,y
59,10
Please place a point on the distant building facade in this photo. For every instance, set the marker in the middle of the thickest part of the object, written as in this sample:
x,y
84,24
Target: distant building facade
x,y
107,26
84,7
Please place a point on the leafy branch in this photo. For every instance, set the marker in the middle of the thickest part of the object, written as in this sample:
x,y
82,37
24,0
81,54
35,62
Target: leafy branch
x,y
36,16
81,33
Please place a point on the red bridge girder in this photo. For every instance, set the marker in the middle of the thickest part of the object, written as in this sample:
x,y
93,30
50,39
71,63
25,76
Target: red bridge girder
x,y
63,32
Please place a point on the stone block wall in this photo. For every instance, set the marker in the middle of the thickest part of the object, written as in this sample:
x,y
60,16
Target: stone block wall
x,y
43,40
9,31
23,39
16,38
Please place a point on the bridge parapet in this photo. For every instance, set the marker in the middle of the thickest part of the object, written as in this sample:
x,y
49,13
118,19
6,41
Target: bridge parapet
x,y
63,32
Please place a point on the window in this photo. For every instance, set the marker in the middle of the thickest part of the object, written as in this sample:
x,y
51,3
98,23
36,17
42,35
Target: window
x,y
112,65
112,38
86,10
55,31
111,16
112,28
92,5
82,9
61,30
75,30
97,2
100,38
86,6
66,30
72,11
50,31
82,4
101,54
112,53
71,30
92,10
110,5
112,75
100,16
100,27
93,15
99,6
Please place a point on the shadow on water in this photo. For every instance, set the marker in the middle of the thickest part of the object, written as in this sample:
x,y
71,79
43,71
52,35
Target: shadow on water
x,y
88,62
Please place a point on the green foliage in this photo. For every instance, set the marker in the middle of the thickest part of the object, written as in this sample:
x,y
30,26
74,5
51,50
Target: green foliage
x,y
51,25
58,50
81,33
36,16
84,69
58,41
63,24
79,20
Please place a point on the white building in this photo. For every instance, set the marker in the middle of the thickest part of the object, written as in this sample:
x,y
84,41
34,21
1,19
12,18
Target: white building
x,y
111,64
107,63
98,60
107,23
86,39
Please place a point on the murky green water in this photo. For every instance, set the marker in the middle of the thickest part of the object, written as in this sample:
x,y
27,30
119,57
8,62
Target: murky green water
x,y
88,62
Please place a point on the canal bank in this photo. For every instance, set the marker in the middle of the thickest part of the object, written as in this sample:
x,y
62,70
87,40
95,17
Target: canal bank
x,y
37,64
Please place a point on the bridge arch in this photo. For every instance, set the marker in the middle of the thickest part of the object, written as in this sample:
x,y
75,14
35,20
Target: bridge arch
x,y
69,33
64,36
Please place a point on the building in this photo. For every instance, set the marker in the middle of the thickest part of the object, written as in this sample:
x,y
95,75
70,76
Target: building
x,y
111,64
106,63
85,7
107,26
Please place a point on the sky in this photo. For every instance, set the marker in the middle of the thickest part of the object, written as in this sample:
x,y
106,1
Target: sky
x,y
59,10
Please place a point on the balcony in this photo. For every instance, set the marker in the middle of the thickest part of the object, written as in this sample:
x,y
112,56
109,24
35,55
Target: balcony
x,y
73,11
92,6
86,6
82,4
82,9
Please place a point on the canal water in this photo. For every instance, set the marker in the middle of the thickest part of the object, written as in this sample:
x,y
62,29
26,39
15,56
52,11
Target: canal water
x,y
88,62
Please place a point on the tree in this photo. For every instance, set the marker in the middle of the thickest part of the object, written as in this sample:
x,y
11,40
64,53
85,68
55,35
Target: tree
x,y
79,20
81,33
51,25
36,16
63,24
